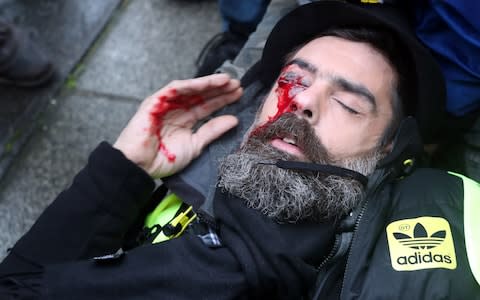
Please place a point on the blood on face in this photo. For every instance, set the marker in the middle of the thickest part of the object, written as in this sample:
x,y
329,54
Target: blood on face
x,y
289,84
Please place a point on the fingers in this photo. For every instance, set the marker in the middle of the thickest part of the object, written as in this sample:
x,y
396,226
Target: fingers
x,y
213,92
216,103
198,85
212,130
230,86
187,91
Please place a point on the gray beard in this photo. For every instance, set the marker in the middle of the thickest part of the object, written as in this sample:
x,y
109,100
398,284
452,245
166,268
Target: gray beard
x,y
287,195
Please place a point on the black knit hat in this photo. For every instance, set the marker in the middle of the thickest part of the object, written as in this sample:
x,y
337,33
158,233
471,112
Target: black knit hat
x,y
423,79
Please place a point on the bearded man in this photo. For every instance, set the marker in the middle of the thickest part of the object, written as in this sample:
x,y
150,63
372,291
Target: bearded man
x,y
321,200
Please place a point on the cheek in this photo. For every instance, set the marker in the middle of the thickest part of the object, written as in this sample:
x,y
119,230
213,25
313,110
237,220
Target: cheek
x,y
269,108
333,135
344,139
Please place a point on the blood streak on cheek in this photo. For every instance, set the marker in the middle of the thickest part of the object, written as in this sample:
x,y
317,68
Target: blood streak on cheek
x,y
168,102
289,85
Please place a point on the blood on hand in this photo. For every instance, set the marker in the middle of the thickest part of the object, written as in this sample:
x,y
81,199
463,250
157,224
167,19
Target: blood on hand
x,y
167,102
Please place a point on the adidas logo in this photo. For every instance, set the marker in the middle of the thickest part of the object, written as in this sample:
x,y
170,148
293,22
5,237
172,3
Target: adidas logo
x,y
420,239
421,243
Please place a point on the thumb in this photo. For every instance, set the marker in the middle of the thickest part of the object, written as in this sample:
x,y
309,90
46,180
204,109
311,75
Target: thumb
x,y
211,131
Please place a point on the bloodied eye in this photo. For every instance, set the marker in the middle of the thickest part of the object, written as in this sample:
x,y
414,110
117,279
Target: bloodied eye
x,y
296,90
293,82
290,76
294,78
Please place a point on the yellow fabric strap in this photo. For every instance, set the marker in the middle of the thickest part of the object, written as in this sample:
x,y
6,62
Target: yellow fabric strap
x,y
471,223
183,219
164,214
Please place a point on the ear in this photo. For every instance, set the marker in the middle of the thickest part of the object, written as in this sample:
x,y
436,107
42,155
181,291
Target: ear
x,y
406,144
388,148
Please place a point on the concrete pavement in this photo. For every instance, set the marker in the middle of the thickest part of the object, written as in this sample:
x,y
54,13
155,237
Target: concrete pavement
x,y
146,44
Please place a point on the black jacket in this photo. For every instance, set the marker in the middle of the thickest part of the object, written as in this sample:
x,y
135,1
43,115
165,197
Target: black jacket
x,y
408,242
63,256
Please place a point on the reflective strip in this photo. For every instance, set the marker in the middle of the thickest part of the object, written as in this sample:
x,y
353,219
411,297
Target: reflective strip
x,y
164,212
471,222
183,219
372,1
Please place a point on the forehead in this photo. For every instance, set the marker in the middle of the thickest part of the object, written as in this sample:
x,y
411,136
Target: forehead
x,y
356,61
326,46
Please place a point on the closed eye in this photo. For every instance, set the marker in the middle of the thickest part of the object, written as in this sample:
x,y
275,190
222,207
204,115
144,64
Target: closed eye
x,y
347,108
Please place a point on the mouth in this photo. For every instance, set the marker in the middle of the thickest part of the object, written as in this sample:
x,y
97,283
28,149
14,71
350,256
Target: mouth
x,y
288,145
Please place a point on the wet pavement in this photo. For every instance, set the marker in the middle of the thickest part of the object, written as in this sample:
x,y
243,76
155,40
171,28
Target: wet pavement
x,y
109,55
64,30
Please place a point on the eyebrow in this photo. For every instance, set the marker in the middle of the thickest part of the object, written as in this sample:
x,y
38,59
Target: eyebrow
x,y
302,64
355,88
341,82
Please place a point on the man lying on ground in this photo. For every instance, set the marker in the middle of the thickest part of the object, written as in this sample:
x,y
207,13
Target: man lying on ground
x,y
323,199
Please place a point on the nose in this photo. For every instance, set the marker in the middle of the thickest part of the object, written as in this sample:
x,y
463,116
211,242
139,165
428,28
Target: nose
x,y
307,104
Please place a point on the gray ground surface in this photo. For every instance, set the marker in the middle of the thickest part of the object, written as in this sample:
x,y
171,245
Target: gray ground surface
x,y
64,30
146,44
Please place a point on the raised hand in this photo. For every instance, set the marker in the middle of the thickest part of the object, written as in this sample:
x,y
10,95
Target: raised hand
x,y
159,137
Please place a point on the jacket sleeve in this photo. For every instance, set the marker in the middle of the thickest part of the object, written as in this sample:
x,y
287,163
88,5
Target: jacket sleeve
x,y
410,243
90,217
182,268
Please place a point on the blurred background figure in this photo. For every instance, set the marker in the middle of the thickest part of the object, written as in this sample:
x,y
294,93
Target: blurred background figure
x,y
22,63
240,19
451,30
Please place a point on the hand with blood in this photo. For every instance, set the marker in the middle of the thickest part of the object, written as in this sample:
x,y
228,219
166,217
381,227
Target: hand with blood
x,y
160,137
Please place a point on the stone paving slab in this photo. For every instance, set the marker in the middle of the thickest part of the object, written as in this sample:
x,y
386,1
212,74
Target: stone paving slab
x,y
57,151
65,30
150,41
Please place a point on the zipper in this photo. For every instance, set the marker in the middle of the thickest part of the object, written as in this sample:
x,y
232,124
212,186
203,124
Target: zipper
x,y
207,219
334,251
331,254
312,294
355,229
357,225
